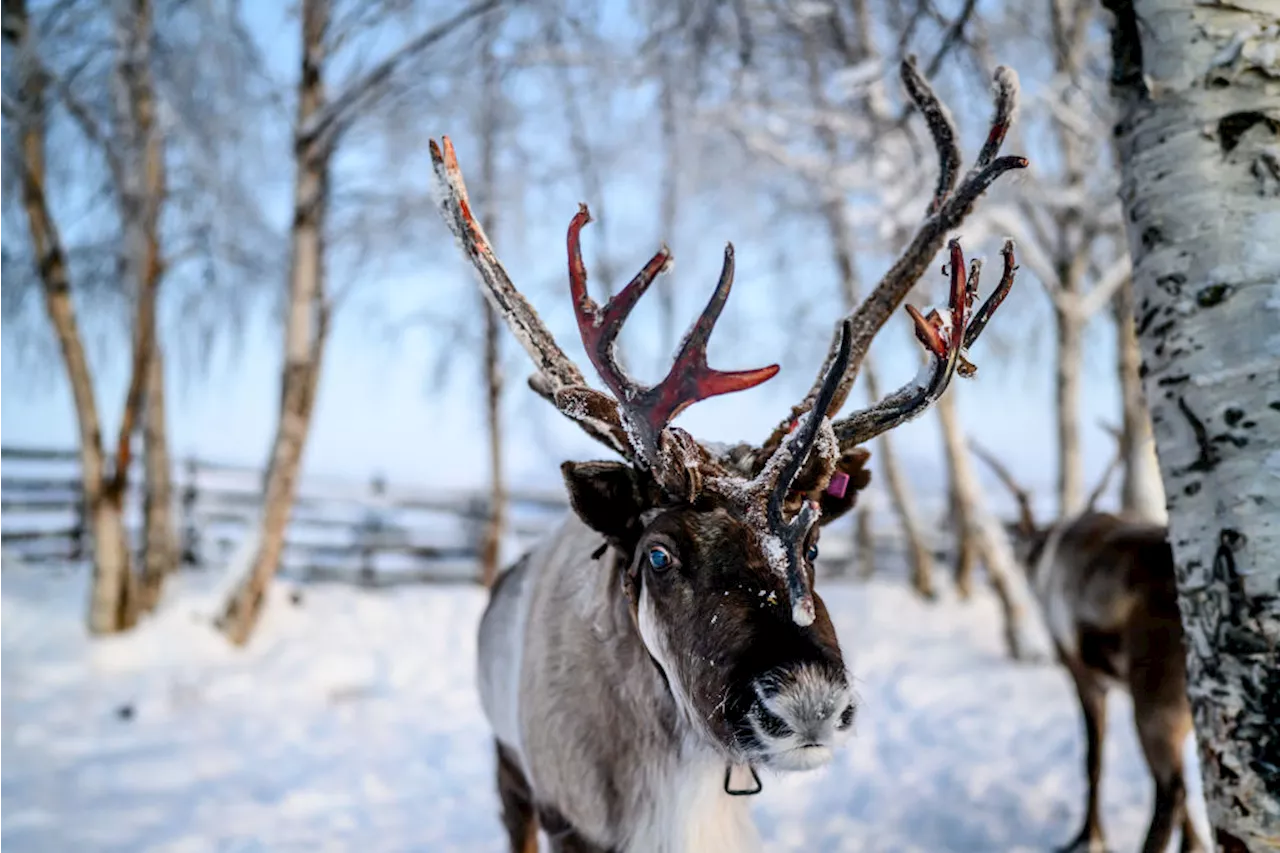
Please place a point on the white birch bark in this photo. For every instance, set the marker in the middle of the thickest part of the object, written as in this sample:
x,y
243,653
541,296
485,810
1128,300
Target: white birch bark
x,y
304,330
160,543
109,595
495,527
1141,490
1199,136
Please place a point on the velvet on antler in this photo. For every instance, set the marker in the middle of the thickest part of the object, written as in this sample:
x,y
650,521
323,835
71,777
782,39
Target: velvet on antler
x,y
636,420
647,411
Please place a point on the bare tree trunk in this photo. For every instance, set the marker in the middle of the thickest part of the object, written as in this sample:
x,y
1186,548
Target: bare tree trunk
x,y
491,546
1141,491
919,557
160,544
1199,89
109,599
142,194
305,330
864,542
990,543
670,200
965,556
1068,360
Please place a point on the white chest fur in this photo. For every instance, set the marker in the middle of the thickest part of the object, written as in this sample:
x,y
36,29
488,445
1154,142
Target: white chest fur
x,y
691,813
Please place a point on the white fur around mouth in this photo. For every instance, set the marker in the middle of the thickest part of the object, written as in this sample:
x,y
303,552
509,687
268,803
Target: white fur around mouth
x,y
807,757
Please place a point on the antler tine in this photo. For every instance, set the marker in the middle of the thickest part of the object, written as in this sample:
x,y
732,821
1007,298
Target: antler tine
x,y
948,208
597,414
1026,518
455,207
648,411
598,326
946,348
774,482
983,316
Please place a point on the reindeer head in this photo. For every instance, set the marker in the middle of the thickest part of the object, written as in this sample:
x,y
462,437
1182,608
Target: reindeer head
x,y
715,548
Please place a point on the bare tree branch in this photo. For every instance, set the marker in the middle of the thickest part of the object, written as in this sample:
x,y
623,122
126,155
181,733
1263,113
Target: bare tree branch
x,y
342,109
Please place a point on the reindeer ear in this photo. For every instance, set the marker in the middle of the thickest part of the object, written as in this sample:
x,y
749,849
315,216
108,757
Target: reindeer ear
x,y
852,464
605,495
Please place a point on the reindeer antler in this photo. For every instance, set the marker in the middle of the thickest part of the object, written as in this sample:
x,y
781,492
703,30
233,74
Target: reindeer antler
x,y
947,209
635,422
647,411
1026,517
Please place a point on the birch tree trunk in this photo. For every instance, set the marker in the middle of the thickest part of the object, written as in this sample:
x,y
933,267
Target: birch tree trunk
x,y
990,543
140,148
966,549
160,544
109,599
305,329
919,557
1069,359
1199,135
864,540
491,546
1141,491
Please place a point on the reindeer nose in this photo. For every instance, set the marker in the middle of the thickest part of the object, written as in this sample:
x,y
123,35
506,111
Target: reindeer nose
x,y
810,706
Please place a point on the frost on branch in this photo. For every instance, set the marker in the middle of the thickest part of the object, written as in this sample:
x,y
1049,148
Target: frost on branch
x,y
953,199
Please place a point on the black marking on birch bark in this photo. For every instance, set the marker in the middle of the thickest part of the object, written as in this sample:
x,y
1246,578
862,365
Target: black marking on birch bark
x,y
1232,127
1213,294
1146,321
1208,458
1171,283
1126,49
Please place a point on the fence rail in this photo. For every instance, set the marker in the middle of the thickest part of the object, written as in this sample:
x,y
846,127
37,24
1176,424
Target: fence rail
x,y
373,532
370,532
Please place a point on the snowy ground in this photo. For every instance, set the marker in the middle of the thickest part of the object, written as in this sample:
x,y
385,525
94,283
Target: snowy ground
x,y
352,724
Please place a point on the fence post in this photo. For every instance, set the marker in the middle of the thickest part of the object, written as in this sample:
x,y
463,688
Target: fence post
x,y
370,531
190,525
78,531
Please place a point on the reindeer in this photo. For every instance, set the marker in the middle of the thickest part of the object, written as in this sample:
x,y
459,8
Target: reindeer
x,y
665,640
1106,586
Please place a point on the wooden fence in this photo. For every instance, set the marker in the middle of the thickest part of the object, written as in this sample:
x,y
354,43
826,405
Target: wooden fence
x,y
375,533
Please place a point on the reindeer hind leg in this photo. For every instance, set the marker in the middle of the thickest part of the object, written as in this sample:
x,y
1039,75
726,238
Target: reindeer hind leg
x,y
518,814
1163,720
1093,706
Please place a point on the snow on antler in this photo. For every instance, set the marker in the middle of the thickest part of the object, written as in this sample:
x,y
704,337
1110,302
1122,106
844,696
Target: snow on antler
x,y
946,211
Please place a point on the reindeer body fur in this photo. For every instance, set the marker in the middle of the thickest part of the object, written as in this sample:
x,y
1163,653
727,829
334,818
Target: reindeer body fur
x,y
586,714
1107,589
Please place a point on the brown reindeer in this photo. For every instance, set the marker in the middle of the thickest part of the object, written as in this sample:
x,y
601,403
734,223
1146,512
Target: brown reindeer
x,y
665,641
1105,584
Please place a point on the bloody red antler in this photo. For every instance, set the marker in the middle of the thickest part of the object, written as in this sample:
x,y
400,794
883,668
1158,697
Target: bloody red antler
x,y
648,410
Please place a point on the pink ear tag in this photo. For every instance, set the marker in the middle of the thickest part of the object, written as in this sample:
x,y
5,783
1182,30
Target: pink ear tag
x,y
838,485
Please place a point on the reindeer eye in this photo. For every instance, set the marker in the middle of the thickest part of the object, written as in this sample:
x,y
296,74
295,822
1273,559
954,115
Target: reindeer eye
x,y
812,553
659,558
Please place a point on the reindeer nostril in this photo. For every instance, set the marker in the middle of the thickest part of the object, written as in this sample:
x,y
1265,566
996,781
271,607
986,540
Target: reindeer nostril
x,y
771,724
846,717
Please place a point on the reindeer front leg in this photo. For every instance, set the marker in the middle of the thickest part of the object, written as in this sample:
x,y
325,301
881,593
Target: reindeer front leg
x,y
1093,705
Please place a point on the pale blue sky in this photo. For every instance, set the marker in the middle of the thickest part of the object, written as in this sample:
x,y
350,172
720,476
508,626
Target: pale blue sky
x,y
377,411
